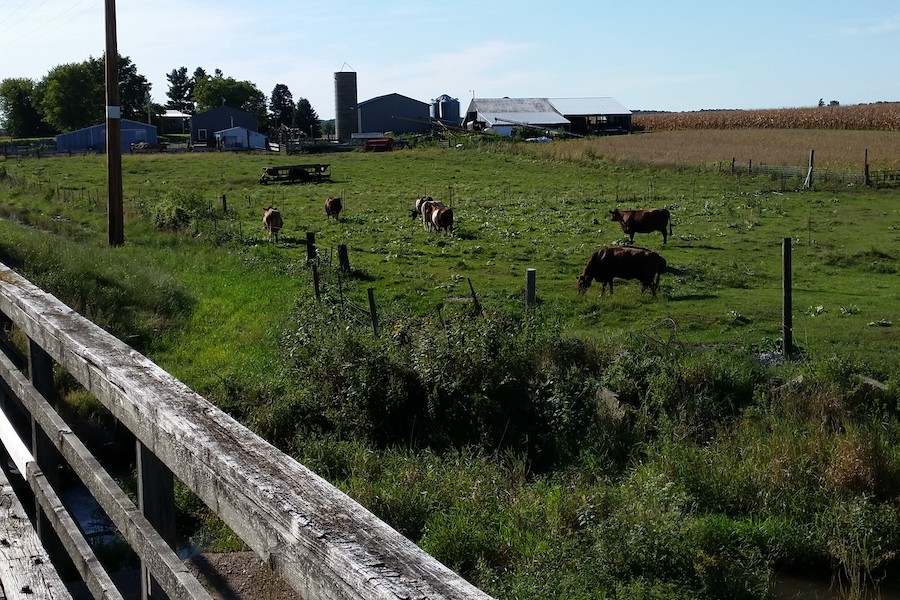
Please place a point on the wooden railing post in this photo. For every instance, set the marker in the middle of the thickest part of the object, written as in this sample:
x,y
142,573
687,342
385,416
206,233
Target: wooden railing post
x,y
48,459
156,500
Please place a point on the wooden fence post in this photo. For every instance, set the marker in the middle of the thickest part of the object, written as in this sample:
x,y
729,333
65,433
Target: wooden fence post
x,y
343,258
787,310
809,174
372,311
866,178
530,287
474,298
224,205
156,501
310,245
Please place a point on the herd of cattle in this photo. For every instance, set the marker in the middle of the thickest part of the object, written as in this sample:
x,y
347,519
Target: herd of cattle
x,y
604,265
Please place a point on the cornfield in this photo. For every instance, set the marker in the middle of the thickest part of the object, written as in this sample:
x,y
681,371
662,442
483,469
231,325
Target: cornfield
x,y
882,116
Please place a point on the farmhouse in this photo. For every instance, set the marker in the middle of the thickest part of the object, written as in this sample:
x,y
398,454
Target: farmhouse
x,y
582,116
205,124
393,112
93,139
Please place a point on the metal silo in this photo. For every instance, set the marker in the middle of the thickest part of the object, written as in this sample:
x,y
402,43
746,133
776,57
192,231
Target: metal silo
x,y
346,121
447,109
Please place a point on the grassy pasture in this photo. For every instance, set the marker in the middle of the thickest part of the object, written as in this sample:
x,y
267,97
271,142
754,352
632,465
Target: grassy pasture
x,y
518,211
701,477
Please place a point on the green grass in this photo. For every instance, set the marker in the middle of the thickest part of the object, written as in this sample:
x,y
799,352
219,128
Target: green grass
x,y
619,446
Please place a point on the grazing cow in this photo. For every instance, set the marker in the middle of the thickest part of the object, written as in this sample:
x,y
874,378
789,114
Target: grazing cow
x,y
625,262
273,222
442,219
643,221
333,207
428,207
417,207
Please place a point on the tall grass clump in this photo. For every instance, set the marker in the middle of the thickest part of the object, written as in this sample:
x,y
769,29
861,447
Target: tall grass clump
x,y
114,288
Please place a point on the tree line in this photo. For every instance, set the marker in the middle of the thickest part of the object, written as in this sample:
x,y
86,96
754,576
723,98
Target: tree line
x,y
73,96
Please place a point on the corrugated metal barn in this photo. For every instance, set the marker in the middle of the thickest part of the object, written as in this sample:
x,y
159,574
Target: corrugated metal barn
x,y
503,115
93,139
394,112
579,115
593,116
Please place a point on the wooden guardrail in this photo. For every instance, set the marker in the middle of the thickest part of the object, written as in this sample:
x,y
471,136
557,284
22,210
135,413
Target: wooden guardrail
x,y
320,541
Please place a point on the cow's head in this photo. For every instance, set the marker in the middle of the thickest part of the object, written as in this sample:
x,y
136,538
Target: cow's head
x,y
584,282
615,215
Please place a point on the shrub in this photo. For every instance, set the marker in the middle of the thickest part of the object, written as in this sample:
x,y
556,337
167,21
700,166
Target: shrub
x,y
178,208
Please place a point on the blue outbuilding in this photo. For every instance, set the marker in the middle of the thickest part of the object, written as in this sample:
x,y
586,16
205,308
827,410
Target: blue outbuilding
x,y
93,139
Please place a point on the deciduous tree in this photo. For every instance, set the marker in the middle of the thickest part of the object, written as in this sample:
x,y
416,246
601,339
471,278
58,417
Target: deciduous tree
x,y
18,112
73,95
210,92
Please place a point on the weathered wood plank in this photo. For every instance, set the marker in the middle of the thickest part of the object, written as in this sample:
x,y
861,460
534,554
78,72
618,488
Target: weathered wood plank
x,y
25,569
318,539
137,530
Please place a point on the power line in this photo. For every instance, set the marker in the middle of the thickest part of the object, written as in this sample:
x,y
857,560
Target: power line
x,y
13,12
42,29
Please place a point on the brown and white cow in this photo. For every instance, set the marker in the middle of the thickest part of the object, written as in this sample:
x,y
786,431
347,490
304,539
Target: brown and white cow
x,y
273,222
442,219
417,206
428,207
623,262
643,221
333,207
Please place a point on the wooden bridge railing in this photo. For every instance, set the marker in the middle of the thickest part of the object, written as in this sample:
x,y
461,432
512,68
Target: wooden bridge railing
x,y
320,541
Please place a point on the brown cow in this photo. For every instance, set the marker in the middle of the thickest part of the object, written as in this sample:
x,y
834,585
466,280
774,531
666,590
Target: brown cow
x,y
624,262
333,207
442,219
273,222
643,221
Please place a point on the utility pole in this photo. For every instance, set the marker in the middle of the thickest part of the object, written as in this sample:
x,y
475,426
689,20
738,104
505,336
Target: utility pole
x,y
116,217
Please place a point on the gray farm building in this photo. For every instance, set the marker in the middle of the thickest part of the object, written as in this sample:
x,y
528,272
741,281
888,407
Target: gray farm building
x,y
205,124
395,113
581,116
93,139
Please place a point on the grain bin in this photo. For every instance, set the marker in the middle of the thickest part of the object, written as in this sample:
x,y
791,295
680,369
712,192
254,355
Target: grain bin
x,y
346,121
446,109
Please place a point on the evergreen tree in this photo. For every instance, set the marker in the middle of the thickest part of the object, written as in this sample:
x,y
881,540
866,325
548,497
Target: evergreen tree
x,y
181,88
281,105
306,120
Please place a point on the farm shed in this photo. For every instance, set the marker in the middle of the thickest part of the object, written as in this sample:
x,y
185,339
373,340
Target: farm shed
x,y
173,121
593,116
504,115
205,124
240,138
93,139
394,112
583,116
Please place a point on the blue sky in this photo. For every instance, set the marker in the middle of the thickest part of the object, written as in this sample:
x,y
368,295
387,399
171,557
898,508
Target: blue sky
x,y
659,55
